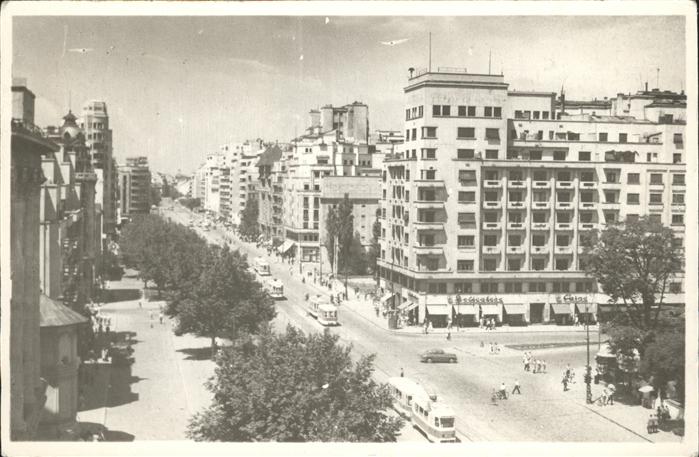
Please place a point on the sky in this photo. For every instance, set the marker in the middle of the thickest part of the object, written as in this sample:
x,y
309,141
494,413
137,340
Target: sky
x,y
177,88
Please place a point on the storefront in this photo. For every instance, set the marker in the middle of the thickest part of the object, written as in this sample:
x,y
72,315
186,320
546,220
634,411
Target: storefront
x,y
515,314
408,313
586,313
465,315
537,314
490,311
438,316
561,313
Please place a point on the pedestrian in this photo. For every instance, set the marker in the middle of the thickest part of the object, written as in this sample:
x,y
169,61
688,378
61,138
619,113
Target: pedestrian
x,y
652,424
140,304
565,384
401,372
516,388
492,348
572,375
503,391
538,366
161,317
448,336
612,391
568,371
543,365
525,362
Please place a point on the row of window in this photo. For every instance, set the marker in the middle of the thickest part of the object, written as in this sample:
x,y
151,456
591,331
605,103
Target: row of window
x,y
466,111
611,176
602,137
462,133
519,114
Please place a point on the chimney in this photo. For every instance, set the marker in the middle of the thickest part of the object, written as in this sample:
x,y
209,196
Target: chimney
x,y
646,86
411,70
563,101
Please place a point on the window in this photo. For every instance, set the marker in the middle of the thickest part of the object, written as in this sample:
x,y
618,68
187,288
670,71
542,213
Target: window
x,y
631,218
656,198
490,264
429,132
514,264
655,218
537,286
514,240
540,176
563,218
651,157
676,158
611,176
559,155
632,199
678,219
491,196
464,265
540,196
489,287
623,137
539,217
610,196
467,220
491,154
538,265
562,264
677,138
564,176
544,114
513,287
536,114
463,288
518,114
534,155
633,178
610,217
436,110
656,178
563,197
587,176
562,240
467,178
678,180
497,112
675,287
677,199
488,111
561,287
584,156
516,196
471,111
467,197
515,216
490,240
461,111
538,240
465,241
465,153
430,153
465,133
492,134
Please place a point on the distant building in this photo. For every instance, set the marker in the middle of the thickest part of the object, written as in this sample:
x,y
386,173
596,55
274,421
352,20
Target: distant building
x,y
28,145
134,187
270,193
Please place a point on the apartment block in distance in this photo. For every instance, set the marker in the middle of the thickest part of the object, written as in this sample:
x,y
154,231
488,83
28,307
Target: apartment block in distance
x,y
134,187
484,209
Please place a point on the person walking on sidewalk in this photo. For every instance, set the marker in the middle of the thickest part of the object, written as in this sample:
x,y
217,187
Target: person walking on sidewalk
x,y
402,373
565,383
516,390
543,365
161,317
503,391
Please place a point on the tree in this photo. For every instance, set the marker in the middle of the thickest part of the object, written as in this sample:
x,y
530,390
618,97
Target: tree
x,y
633,263
249,226
225,301
340,230
155,196
291,387
357,261
663,361
190,203
375,248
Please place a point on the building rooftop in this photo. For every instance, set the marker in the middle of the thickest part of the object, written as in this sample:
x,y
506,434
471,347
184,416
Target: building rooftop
x,y
54,314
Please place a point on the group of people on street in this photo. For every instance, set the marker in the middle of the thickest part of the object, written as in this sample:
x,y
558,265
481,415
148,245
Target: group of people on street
x,y
494,348
533,365
487,323
502,394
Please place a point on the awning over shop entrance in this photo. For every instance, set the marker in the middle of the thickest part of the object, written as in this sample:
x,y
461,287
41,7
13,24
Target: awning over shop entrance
x,y
515,309
560,308
387,296
489,310
288,244
466,309
441,310
591,308
407,306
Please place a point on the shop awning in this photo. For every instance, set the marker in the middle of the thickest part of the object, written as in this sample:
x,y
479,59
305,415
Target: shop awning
x,y
489,310
407,306
560,308
441,310
591,308
288,244
387,296
466,309
515,309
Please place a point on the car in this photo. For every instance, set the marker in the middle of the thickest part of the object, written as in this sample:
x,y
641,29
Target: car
x,y
438,355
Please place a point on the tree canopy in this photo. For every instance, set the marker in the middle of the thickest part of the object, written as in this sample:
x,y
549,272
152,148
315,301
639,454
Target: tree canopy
x,y
249,227
340,230
292,387
633,263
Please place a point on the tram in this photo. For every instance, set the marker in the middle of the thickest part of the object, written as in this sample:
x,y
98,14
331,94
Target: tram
x,y
320,308
276,289
261,267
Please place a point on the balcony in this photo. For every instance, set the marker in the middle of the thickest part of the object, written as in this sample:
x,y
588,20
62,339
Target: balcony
x,y
587,226
587,205
491,250
496,204
564,226
588,185
657,187
492,225
492,184
609,185
564,184
517,184
541,184
564,205
428,249
541,205
515,205
566,250
540,250
428,204
611,205
541,226
430,183
425,225
515,226
515,250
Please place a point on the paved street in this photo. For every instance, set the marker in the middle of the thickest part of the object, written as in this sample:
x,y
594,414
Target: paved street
x,y
542,413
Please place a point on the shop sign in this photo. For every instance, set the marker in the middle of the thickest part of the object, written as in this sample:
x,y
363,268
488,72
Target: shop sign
x,y
569,298
475,300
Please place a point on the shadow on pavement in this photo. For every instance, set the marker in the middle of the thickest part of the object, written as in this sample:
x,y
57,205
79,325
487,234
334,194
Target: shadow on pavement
x,y
109,385
202,353
116,295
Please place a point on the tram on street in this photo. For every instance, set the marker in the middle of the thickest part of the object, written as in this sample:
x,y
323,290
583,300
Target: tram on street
x,y
276,289
434,419
261,267
320,308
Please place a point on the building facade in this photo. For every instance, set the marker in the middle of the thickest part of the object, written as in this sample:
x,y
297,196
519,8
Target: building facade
x,y
134,187
270,195
484,209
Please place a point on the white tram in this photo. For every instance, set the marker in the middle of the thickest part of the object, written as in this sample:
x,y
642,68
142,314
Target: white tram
x,y
276,289
261,267
320,308
434,419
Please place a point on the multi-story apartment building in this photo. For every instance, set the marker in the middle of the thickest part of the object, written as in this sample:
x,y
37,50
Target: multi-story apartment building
x,y
134,187
247,177
270,192
493,191
94,121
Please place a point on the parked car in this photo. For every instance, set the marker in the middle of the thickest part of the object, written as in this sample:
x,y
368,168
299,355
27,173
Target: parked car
x,y
438,355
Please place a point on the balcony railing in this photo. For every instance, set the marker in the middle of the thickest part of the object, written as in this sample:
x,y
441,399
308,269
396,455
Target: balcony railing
x,y
564,226
540,249
564,184
425,204
492,184
428,250
587,205
431,225
516,184
492,225
541,184
515,249
564,205
492,204
515,204
515,226
563,250
588,185
541,226
541,205
491,250
587,226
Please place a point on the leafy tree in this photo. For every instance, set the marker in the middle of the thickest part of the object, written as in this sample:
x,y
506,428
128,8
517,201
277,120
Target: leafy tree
x,y
108,267
663,361
375,248
357,262
633,262
225,301
190,203
291,387
155,196
340,230
249,226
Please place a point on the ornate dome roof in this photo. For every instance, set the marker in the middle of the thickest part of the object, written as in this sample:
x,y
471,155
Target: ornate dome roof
x,y
70,129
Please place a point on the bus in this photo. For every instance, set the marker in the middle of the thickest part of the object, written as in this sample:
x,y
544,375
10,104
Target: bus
x,y
276,289
320,308
261,267
434,419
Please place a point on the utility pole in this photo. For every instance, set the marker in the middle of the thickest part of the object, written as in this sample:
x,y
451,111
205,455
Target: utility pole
x,y
490,54
588,368
429,62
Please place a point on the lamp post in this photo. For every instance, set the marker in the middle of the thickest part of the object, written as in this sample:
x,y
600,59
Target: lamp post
x,y
588,368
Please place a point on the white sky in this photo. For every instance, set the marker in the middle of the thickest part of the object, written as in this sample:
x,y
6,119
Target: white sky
x,y
178,87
